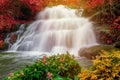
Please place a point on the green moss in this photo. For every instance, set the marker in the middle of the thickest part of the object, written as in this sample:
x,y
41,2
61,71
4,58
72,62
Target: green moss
x,y
98,48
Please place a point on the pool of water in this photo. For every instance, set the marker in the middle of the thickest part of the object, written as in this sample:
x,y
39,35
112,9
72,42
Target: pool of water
x,y
12,61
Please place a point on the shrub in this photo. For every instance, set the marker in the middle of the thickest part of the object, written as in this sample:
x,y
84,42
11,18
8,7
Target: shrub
x,y
104,12
105,67
63,67
14,12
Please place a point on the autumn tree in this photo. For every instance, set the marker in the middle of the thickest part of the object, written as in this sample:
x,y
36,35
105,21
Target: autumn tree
x,y
13,12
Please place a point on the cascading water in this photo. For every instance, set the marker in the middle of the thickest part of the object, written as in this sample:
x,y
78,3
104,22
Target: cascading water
x,y
57,30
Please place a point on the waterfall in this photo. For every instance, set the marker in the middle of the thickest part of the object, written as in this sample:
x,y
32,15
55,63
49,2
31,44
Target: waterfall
x,y
57,30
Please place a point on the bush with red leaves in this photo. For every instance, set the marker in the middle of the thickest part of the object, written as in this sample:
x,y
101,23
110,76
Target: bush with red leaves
x,y
6,22
114,34
13,12
108,13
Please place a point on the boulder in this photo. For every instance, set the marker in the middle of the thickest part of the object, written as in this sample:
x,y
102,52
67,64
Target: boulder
x,y
94,51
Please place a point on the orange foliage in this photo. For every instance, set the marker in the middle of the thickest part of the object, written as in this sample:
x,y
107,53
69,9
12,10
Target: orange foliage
x,y
69,3
91,4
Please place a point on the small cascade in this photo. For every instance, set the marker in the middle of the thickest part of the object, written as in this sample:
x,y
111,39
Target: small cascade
x,y
56,30
18,34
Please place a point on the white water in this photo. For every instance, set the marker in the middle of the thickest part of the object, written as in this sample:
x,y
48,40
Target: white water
x,y
57,30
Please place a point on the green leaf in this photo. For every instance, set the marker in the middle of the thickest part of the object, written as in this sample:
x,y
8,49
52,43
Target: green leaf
x,y
37,75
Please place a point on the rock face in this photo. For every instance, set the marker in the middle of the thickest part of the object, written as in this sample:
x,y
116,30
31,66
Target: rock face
x,y
94,51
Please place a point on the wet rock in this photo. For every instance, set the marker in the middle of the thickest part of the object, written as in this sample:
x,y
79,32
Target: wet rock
x,y
85,52
13,38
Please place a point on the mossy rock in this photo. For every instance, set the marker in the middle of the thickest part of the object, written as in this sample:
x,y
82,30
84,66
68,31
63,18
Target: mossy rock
x,y
94,51
101,47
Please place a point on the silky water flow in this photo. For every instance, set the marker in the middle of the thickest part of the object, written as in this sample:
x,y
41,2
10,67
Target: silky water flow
x,y
57,30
